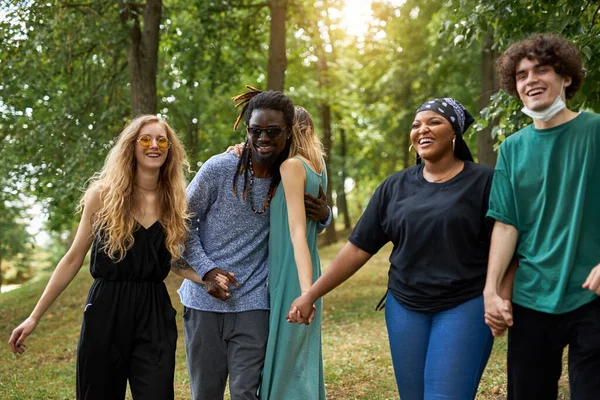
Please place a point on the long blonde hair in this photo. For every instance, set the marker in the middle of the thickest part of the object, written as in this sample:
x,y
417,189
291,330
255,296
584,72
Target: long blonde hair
x,y
114,222
305,141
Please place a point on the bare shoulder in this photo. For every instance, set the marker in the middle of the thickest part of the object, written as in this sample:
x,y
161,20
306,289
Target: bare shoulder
x,y
291,165
93,199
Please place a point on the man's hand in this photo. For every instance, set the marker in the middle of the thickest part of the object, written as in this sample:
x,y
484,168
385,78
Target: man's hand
x,y
316,207
593,280
498,313
217,283
302,310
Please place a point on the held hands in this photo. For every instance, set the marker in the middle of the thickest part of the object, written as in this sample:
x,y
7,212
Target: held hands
x,y
316,207
217,283
592,282
302,310
498,313
17,339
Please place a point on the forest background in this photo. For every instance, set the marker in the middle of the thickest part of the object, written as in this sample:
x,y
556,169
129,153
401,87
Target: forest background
x,y
72,73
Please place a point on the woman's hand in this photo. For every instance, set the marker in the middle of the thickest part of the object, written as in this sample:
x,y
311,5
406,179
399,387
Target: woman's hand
x,y
593,280
302,310
17,339
498,313
237,149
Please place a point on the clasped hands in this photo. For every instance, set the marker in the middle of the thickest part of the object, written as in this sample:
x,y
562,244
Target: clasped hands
x,y
217,283
498,311
302,310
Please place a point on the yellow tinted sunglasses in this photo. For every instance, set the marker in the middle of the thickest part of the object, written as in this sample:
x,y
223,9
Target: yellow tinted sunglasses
x,y
146,141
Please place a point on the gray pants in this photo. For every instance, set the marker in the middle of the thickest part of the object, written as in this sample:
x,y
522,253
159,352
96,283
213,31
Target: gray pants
x,y
221,344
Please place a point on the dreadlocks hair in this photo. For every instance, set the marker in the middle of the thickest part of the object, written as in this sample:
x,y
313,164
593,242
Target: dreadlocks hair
x,y
256,99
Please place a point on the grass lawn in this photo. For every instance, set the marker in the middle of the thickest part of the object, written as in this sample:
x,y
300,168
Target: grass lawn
x,y
356,351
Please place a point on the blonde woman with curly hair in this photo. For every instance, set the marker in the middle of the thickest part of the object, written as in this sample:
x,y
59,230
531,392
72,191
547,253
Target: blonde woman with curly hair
x,y
134,216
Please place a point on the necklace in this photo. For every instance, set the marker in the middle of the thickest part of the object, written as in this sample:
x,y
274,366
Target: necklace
x,y
448,174
267,201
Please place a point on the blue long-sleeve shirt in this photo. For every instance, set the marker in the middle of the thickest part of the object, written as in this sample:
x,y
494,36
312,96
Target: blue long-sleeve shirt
x,y
227,234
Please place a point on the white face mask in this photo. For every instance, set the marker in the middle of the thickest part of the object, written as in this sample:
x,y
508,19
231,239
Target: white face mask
x,y
549,113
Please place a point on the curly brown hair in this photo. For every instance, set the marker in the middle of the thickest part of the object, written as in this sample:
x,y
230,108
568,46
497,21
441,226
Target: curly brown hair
x,y
547,49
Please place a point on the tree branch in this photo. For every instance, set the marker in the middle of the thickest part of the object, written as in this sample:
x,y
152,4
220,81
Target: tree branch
x,y
128,12
76,5
594,17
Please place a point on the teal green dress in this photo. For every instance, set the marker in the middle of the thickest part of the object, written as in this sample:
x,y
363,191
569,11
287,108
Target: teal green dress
x,y
294,359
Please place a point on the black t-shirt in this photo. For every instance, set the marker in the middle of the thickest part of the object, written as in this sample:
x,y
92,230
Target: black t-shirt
x,y
440,234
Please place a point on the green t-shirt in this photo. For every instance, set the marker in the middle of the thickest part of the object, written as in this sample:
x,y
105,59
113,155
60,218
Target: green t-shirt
x,y
547,185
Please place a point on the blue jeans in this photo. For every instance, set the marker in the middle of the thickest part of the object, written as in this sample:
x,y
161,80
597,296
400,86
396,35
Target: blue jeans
x,y
438,355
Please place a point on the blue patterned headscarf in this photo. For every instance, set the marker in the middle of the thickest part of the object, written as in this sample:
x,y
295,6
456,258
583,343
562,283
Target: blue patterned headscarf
x,y
459,118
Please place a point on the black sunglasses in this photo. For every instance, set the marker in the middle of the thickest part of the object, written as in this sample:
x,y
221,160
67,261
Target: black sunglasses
x,y
272,133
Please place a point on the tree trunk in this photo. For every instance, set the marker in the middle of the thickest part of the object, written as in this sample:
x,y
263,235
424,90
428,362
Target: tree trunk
x,y
341,193
192,139
408,156
277,57
359,203
489,86
325,111
330,232
142,53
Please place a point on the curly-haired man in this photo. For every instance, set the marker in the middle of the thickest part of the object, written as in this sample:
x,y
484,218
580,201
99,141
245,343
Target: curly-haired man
x,y
545,201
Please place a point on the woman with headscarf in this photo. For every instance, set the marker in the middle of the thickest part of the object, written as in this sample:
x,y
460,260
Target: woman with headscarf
x,y
434,214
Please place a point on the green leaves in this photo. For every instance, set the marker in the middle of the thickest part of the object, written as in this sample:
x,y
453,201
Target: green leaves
x,y
65,91
513,20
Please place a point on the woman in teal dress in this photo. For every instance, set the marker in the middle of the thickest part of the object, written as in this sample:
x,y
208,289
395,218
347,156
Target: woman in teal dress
x,y
294,363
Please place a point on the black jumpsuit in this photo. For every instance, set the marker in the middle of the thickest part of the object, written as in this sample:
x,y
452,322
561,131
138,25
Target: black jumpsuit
x,y
129,329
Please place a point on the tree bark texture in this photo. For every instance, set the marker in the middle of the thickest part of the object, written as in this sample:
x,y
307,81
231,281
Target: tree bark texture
x,y
341,192
143,26
325,109
192,139
408,156
489,86
277,57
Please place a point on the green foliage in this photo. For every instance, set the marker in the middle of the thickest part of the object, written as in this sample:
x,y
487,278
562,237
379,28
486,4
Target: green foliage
x,y
65,91
15,242
202,67
513,20
64,97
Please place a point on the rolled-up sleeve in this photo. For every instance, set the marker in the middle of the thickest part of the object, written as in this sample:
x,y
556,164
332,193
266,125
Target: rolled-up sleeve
x,y
502,205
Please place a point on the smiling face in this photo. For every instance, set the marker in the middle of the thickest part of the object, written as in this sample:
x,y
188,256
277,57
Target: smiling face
x,y
266,144
538,85
431,136
152,157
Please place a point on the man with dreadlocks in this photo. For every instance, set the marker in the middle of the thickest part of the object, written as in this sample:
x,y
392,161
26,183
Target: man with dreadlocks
x,y
226,330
